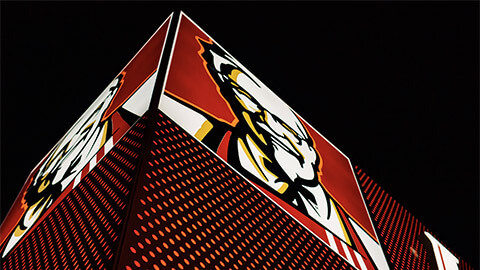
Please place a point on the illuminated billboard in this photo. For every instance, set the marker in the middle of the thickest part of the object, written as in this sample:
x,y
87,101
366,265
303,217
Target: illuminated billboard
x,y
217,100
120,105
188,161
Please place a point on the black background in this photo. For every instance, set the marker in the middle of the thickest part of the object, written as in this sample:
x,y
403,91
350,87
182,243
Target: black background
x,y
394,85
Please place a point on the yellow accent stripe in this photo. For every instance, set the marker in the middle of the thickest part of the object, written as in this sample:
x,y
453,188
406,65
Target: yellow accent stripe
x,y
244,93
341,223
298,151
290,129
282,189
203,131
234,74
262,158
89,125
247,152
263,164
43,185
104,136
45,176
50,160
252,127
44,203
18,231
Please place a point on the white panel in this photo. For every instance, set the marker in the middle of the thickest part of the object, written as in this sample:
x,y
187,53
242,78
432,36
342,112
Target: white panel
x,y
331,241
444,258
108,145
360,261
373,248
92,163
347,253
78,178
187,118
138,103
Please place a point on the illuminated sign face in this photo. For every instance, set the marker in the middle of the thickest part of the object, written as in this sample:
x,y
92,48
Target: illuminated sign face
x,y
217,100
442,258
261,146
91,137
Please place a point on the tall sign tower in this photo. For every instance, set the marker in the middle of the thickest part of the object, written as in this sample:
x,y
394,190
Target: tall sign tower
x,y
188,161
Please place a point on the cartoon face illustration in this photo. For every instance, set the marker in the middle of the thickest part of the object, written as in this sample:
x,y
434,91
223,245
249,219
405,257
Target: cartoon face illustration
x,y
268,143
272,144
218,101
65,161
271,124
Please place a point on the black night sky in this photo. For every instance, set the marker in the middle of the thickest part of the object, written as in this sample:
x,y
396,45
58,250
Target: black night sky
x,y
394,85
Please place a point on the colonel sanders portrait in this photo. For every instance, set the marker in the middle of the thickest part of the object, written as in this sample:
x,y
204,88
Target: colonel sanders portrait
x,y
64,162
268,144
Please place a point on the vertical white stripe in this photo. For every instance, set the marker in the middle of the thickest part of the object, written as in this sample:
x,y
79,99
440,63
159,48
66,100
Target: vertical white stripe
x,y
108,145
77,180
439,258
360,261
347,253
372,247
93,162
331,241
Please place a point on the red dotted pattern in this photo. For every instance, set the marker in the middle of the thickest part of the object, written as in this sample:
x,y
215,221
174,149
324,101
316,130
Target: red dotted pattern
x,y
191,211
397,229
82,231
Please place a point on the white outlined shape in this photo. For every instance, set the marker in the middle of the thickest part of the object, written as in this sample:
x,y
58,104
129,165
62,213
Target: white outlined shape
x,y
172,50
84,114
220,158
182,14
93,160
139,101
374,250
443,257
315,130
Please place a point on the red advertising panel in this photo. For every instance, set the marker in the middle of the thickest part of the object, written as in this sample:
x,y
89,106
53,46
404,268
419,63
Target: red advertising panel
x,y
84,229
222,175
217,100
191,210
117,108
408,244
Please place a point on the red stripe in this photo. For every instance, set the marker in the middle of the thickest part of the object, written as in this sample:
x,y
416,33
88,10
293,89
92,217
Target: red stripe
x,y
222,149
85,170
100,153
306,221
43,216
339,245
354,257
441,256
357,242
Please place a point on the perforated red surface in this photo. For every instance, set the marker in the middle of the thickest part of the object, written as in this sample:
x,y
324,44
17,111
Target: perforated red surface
x,y
397,229
82,232
191,211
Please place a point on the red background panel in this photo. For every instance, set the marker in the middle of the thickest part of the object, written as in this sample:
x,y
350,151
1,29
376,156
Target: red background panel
x,y
140,68
188,78
137,71
399,231
83,229
339,181
191,211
